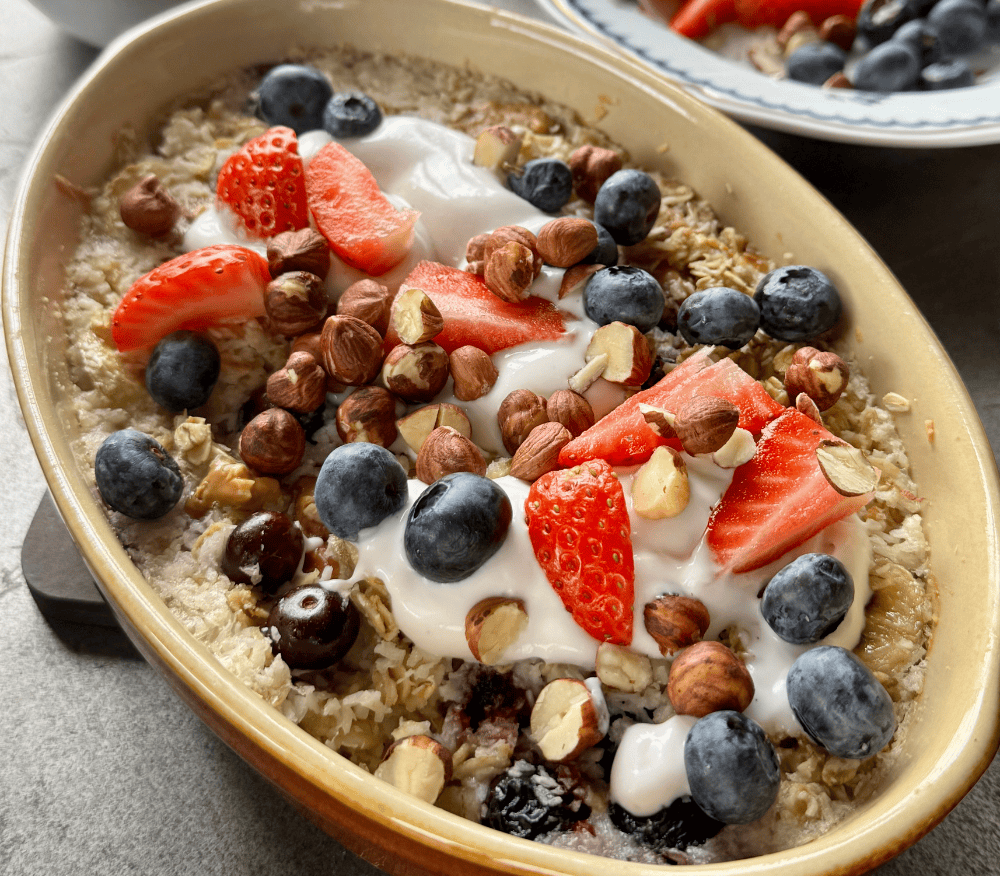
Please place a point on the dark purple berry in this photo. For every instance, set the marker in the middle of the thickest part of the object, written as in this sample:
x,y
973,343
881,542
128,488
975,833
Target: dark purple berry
x,y
265,549
312,627
136,476
675,827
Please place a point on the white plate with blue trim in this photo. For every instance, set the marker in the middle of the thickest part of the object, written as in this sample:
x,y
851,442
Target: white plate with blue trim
x,y
958,117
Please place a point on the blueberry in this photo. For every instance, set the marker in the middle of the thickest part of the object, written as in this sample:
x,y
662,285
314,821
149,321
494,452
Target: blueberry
x,y
265,549
136,476
293,95
627,206
545,183
878,20
797,303
455,526
891,66
840,703
942,75
351,114
993,22
528,801
922,38
312,627
815,62
732,768
808,598
606,251
718,316
358,486
960,24
624,293
681,824
182,371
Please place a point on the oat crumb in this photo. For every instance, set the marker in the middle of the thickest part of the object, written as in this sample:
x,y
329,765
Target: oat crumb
x,y
896,403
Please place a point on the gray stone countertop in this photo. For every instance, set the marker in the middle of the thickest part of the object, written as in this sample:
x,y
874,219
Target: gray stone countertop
x,y
103,770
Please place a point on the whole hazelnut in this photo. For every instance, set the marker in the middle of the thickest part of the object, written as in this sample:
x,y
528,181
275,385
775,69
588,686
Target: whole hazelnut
x,y
295,303
517,415
302,250
446,451
352,350
368,414
572,410
148,208
369,301
273,442
299,386
708,677
416,373
472,371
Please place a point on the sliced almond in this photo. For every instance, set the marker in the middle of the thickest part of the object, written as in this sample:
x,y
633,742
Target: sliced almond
x,y
565,720
660,488
629,356
419,765
493,625
415,317
846,468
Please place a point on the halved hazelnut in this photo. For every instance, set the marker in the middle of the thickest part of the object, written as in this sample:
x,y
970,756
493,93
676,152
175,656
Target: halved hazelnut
x,y
539,452
629,357
415,317
708,677
572,410
419,765
493,625
496,148
675,622
517,415
446,451
705,423
660,488
369,301
416,426
739,449
565,721
368,414
472,372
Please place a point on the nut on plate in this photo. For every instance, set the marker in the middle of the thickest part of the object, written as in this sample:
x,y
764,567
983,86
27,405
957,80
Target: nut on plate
x,y
446,451
295,303
567,719
622,668
472,372
415,317
846,468
572,410
418,765
493,625
705,423
591,166
500,237
302,250
300,385
567,240
273,442
148,208
517,415
417,425
352,350
630,358
820,375
539,452
509,271
660,487
675,622
416,372
708,677
368,414
369,301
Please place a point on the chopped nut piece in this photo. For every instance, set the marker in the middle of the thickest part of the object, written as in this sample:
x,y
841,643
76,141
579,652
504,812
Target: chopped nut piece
x,y
567,240
805,405
539,452
675,622
585,377
419,765
472,372
896,403
565,720
493,625
302,250
660,488
575,278
517,415
304,508
148,208
623,669
497,148
708,677
368,414
231,484
446,451
705,423
846,468
369,301
416,373
820,375
416,426
630,358
572,410
415,317
660,420
740,448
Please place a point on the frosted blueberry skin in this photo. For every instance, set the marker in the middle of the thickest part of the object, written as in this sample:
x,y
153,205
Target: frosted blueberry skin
x,y
293,95
718,316
182,371
351,114
732,768
545,183
807,599
815,62
624,293
961,25
312,627
455,526
878,20
358,486
890,66
606,251
839,703
265,549
797,303
942,75
136,476
627,205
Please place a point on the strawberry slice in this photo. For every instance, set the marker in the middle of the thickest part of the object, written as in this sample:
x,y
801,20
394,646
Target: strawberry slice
x,y
582,538
778,499
357,220
622,436
221,283
263,184
474,315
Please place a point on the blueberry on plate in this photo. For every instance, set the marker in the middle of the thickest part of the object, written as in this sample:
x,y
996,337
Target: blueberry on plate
x,y
606,251
265,549
890,66
815,62
358,486
527,801
807,599
624,293
732,768
136,476
681,824
545,183
840,703
627,205
312,627
942,75
293,95
993,22
797,303
718,316
456,525
182,371
923,39
960,25
351,114
878,20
